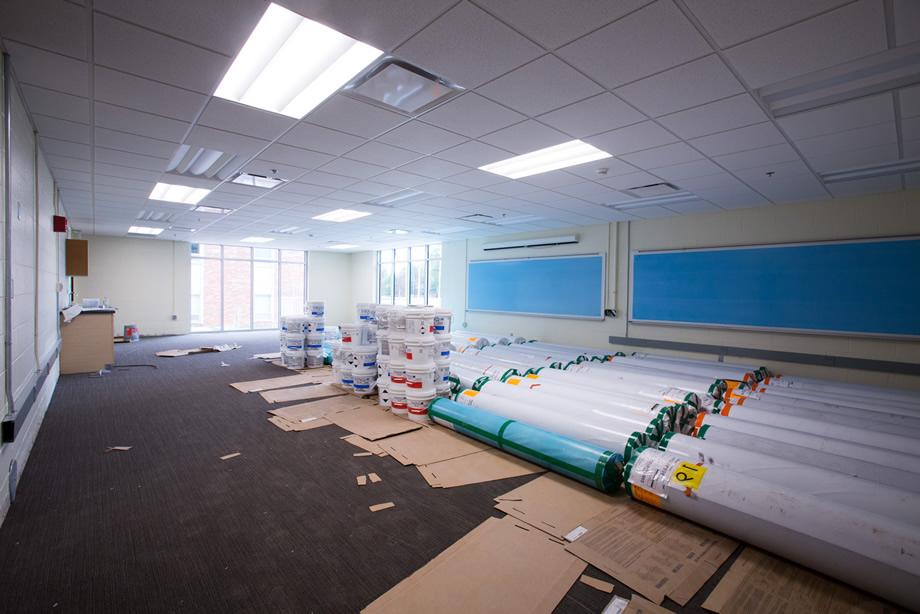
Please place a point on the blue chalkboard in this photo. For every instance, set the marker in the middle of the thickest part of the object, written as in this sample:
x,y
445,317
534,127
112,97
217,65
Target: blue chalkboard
x,y
858,287
566,287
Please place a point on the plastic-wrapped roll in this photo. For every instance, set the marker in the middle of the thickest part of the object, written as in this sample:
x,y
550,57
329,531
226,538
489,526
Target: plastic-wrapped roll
x,y
475,358
584,351
896,503
759,373
534,356
717,370
465,377
462,339
811,455
680,415
777,403
789,395
604,429
587,463
869,551
709,425
490,368
794,383
702,386
824,428
556,378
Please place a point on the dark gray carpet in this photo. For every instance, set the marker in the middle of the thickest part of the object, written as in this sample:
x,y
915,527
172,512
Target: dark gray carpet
x,y
169,527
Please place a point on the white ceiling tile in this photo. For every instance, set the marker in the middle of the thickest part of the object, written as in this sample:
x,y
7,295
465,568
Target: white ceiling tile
x,y
550,180
62,129
474,154
229,142
854,158
757,157
134,143
860,187
652,212
400,179
145,95
601,169
471,115
56,104
666,155
136,122
781,171
51,25
545,84
845,34
64,148
692,84
552,23
147,54
476,196
47,69
525,137
294,156
693,206
740,197
115,170
716,116
435,168
382,154
740,139
468,46
421,137
477,179
352,168
349,196
354,117
271,168
910,128
839,117
912,149
631,180
440,188
795,188
591,192
65,163
232,117
123,158
912,180
650,40
632,138
859,138
688,170
372,188
730,23
317,138
506,188
305,190
592,116
906,22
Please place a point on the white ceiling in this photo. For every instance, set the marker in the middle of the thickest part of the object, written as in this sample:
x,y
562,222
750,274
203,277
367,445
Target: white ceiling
x,y
668,87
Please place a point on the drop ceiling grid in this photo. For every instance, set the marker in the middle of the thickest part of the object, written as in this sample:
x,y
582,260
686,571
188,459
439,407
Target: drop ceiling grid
x,y
445,179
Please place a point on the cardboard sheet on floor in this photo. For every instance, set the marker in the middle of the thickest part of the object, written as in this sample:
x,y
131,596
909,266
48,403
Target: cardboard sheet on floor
x,y
652,552
296,427
364,444
369,421
554,503
226,347
430,445
638,605
759,583
301,393
502,566
274,382
483,466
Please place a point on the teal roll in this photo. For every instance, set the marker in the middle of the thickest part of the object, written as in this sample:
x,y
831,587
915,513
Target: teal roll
x,y
578,460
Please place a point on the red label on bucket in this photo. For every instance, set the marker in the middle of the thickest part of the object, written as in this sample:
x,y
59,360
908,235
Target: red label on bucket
x,y
346,338
414,384
398,405
408,355
396,379
418,411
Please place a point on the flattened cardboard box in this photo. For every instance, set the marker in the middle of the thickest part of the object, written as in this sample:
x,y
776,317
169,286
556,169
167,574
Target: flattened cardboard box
x,y
554,504
483,466
758,583
501,566
364,444
430,445
313,391
274,382
371,422
650,551
309,424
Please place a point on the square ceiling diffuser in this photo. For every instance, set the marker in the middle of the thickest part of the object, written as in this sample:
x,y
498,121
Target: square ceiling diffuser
x,y
399,85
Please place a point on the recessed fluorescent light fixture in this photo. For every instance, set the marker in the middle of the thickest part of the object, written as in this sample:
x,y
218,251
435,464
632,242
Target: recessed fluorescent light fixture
x,y
144,230
547,159
402,197
210,209
398,231
874,170
342,246
654,201
257,181
178,193
291,64
256,240
288,230
341,215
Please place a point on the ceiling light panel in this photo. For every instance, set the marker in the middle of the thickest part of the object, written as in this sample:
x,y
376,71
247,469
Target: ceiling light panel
x,y
258,181
342,246
144,230
210,209
178,193
546,159
256,240
341,215
291,64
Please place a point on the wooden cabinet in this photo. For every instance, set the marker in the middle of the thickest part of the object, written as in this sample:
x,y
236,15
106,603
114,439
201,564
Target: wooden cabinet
x,y
77,257
87,343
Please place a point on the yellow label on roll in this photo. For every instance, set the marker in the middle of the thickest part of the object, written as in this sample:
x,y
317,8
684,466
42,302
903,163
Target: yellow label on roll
x,y
532,376
688,475
514,381
646,496
473,339
470,393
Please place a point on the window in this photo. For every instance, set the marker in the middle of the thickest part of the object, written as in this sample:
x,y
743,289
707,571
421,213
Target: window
x,y
243,288
409,276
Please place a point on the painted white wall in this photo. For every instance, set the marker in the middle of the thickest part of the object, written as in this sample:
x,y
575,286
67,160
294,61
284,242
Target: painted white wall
x,y
148,280
329,280
849,218
364,277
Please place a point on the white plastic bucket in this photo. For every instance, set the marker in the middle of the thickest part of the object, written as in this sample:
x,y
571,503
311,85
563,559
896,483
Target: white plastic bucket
x,y
371,336
364,380
345,377
419,377
292,359
294,342
366,312
314,325
351,333
442,372
397,319
442,321
419,323
314,342
314,361
442,351
397,345
383,392
365,356
420,351
383,366
398,404
294,324
443,391
383,316
383,342
316,309
397,376
417,402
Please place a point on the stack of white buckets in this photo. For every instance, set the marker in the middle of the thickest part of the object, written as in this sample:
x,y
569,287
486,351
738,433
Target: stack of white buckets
x,y
413,358
354,358
302,337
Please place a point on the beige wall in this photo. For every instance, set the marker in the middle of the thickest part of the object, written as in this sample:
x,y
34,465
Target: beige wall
x,y
875,216
148,280
329,280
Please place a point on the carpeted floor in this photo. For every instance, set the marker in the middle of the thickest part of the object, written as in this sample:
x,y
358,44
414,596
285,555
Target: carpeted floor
x,y
169,527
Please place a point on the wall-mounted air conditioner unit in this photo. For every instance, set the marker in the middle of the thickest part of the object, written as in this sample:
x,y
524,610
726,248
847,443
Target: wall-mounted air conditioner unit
x,y
537,242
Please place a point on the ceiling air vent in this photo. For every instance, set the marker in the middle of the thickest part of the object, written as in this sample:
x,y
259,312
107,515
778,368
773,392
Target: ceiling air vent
x,y
480,218
398,199
259,181
194,161
398,85
156,216
653,189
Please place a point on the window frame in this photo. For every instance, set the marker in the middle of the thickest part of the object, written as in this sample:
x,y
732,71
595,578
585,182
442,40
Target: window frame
x,y
408,262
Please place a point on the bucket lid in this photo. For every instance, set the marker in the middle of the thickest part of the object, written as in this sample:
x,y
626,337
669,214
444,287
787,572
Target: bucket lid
x,y
425,367
421,394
